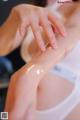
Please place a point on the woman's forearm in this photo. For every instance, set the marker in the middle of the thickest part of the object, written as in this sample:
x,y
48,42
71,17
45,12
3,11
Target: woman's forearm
x,y
25,82
51,57
9,33
38,67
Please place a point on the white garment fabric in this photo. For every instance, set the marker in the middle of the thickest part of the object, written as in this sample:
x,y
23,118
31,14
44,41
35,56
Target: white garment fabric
x,y
69,68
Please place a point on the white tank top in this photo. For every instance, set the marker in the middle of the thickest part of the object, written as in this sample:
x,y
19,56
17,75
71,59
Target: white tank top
x,y
69,68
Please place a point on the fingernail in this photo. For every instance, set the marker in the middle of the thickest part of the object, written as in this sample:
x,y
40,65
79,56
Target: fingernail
x,y
64,34
54,46
43,49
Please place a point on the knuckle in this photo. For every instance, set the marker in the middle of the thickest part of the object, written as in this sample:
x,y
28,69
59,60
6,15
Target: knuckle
x,y
51,37
15,8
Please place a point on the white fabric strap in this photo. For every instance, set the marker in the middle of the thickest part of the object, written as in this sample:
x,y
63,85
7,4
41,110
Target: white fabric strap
x,y
63,109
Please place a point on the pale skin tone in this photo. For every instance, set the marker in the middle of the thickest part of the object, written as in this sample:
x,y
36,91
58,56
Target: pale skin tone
x,y
14,29
23,88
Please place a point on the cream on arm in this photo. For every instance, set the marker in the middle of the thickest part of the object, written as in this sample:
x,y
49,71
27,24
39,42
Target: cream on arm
x,y
24,83
64,44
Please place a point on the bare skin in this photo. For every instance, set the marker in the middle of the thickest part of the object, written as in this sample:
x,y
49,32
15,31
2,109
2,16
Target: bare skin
x,y
14,29
23,88
51,83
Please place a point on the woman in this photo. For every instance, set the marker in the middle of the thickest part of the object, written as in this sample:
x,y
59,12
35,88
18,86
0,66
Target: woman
x,y
25,16
11,32
59,83
25,83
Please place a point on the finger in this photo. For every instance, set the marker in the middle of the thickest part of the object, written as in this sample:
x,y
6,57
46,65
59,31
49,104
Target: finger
x,y
48,31
36,31
59,26
23,27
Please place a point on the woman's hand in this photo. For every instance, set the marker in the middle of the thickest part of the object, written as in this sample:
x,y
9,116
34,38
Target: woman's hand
x,y
21,98
13,31
35,17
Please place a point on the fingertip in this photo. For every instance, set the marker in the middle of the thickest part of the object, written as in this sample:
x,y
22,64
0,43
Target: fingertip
x,y
54,45
43,49
64,33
